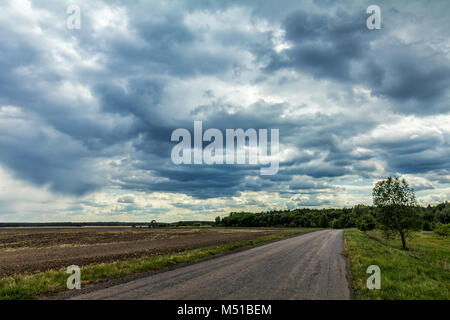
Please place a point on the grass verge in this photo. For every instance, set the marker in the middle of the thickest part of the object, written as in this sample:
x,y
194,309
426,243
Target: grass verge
x,y
422,272
35,285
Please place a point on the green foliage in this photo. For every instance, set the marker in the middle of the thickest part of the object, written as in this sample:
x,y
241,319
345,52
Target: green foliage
x,y
366,222
443,215
421,273
427,226
358,211
397,208
442,229
191,224
393,192
304,218
432,215
326,218
335,224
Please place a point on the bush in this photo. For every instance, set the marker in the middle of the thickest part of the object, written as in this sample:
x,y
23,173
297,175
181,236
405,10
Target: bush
x,y
442,229
427,226
366,222
335,224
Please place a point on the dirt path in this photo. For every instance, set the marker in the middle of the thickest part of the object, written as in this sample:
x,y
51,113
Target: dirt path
x,y
309,266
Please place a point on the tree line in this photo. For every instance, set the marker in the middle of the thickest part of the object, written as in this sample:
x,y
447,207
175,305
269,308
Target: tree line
x,y
395,211
330,218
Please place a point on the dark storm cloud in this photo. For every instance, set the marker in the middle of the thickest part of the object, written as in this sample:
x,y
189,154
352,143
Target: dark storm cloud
x,y
307,184
421,162
416,78
205,181
45,158
200,181
60,139
338,46
324,45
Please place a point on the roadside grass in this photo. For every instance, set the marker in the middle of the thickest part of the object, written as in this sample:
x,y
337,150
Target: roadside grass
x,y
33,286
420,273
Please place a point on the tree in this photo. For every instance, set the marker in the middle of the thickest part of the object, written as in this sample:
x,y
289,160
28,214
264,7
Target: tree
x,y
427,226
335,224
442,229
444,215
323,221
357,212
217,220
366,222
396,204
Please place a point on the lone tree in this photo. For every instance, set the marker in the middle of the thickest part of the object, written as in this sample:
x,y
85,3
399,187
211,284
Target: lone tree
x,y
396,203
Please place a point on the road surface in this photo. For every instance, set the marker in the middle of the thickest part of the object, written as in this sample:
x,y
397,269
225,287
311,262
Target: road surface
x,y
310,266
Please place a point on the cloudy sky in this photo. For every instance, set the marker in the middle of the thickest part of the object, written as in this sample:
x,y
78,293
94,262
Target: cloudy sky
x,y
86,115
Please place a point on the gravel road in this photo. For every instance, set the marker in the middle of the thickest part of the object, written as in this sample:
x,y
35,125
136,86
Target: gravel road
x,y
310,266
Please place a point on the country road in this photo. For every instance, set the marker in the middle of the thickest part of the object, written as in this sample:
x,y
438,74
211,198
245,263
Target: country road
x,y
310,266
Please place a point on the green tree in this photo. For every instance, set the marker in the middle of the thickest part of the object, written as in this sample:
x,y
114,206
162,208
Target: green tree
x,y
335,224
217,220
366,222
357,212
427,226
442,229
323,221
396,204
444,215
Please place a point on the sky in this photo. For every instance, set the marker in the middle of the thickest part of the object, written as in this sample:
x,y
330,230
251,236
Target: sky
x,y
86,115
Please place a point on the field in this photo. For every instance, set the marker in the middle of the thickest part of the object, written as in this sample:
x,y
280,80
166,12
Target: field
x,y
422,272
33,260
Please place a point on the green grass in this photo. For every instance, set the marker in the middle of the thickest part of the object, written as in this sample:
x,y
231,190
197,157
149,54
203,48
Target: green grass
x,y
422,272
52,281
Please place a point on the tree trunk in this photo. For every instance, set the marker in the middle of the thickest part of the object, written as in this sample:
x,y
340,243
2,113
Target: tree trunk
x,y
402,235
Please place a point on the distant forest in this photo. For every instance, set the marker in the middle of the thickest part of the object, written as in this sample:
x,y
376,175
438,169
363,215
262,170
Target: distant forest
x,y
152,224
329,218
361,216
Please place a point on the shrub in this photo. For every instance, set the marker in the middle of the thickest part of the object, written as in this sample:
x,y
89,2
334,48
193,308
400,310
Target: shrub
x,y
442,229
335,224
427,226
366,222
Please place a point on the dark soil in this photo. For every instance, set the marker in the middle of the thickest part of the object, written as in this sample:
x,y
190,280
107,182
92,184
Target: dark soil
x,y
30,250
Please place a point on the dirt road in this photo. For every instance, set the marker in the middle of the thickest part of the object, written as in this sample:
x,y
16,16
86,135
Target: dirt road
x,y
309,266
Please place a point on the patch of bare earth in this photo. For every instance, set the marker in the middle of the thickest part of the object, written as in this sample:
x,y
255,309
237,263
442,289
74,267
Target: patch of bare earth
x,y
35,250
